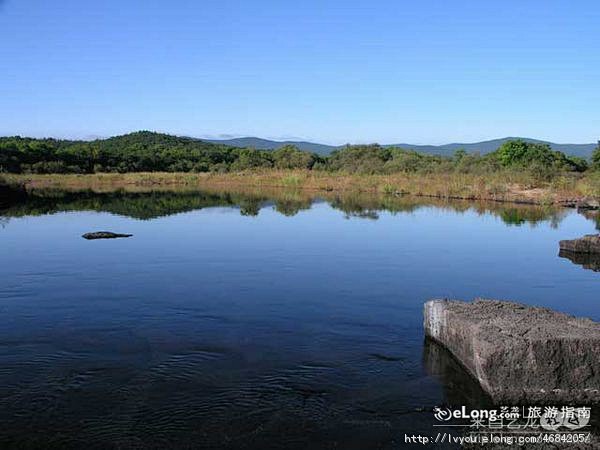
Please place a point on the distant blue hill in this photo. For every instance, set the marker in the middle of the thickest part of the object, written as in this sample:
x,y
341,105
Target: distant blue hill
x,y
582,150
265,144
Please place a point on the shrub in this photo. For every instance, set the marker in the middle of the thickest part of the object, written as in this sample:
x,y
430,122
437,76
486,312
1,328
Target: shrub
x,y
291,180
363,159
290,157
388,189
539,158
596,157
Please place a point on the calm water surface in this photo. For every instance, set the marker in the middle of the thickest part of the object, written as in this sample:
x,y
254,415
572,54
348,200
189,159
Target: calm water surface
x,y
244,322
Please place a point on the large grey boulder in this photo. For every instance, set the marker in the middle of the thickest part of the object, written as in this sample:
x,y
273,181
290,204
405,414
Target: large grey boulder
x,y
520,354
587,244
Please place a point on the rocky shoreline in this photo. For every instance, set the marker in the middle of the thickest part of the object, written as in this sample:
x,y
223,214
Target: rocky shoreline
x,y
588,244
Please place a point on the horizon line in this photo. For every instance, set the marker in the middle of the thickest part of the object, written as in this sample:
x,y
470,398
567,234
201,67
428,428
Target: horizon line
x,y
279,140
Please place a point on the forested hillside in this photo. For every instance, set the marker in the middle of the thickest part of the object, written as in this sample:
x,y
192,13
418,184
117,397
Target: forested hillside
x,y
142,151
146,151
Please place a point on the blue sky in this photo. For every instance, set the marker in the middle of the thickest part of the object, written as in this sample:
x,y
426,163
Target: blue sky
x,y
329,71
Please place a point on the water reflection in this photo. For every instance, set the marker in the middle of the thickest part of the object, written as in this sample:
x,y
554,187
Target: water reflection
x,y
154,204
220,330
10,195
586,260
460,388
593,215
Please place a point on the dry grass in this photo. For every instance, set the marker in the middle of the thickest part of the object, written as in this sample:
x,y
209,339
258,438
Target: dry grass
x,y
504,186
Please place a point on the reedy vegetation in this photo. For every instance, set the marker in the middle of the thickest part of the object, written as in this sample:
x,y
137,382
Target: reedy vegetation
x,y
500,186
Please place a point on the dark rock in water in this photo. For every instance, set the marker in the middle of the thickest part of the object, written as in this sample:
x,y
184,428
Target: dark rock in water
x,y
383,357
590,261
587,244
104,235
520,354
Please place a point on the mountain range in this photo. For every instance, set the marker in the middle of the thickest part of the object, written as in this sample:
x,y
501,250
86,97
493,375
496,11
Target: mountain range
x,y
483,147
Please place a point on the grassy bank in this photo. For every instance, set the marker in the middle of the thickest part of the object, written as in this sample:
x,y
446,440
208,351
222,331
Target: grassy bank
x,y
500,186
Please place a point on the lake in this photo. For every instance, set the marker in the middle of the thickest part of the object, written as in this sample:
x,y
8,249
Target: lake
x,y
253,319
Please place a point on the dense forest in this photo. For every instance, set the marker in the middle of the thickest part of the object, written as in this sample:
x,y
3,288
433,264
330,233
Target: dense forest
x,y
146,151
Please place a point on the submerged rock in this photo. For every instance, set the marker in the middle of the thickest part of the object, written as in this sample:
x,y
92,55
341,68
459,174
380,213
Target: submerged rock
x,y
105,235
518,353
587,244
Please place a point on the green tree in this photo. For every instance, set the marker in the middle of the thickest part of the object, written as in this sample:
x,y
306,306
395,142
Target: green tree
x,y
596,157
459,154
367,159
290,157
252,159
537,156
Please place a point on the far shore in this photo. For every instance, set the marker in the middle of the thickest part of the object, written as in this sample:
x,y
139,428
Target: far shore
x,y
567,190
